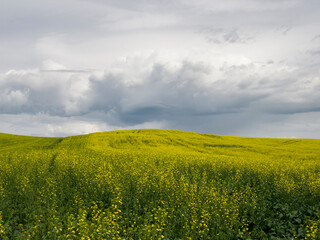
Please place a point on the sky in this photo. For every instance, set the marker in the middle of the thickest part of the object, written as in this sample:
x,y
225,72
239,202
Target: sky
x,y
232,67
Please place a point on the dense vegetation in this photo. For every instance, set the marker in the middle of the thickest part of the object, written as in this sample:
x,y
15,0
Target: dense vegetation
x,y
159,184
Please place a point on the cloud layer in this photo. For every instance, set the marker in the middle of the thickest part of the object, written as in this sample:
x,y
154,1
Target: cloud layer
x,y
246,69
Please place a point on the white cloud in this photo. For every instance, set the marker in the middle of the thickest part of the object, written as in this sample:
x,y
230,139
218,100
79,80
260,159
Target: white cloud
x,y
12,100
35,91
55,126
50,65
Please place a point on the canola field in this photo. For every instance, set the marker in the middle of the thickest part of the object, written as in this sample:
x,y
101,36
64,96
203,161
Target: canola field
x,y
159,184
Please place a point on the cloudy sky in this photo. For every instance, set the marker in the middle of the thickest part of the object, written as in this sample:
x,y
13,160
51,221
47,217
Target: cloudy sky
x,y
232,67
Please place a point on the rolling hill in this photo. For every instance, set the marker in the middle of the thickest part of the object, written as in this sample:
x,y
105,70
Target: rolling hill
x,y
159,184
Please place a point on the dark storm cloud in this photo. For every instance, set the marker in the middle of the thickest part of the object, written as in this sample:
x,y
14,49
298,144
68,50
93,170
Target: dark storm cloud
x,y
192,90
160,93
164,94
188,93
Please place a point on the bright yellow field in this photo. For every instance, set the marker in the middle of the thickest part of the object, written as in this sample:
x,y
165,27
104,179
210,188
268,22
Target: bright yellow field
x,y
159,184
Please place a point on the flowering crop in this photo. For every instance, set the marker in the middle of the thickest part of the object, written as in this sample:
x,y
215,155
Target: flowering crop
x,y
159,184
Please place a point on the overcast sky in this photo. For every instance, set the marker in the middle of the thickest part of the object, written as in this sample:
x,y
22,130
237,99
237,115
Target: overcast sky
x,y
231,67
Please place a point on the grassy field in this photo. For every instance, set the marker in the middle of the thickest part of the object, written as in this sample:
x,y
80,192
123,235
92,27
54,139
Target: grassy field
x,y
159,184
